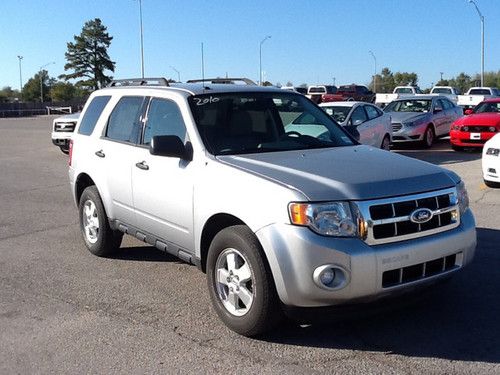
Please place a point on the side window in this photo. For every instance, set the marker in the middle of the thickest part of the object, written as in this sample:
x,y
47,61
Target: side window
x,y
92,114
164,118
440,104
358,116
372,112
447,104
124,123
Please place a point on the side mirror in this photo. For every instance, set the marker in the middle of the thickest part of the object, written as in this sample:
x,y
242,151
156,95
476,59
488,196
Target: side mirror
x,y
171,146
469,111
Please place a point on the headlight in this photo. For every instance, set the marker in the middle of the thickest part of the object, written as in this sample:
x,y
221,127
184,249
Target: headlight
x,y
337,219
493,151
463,197
492,129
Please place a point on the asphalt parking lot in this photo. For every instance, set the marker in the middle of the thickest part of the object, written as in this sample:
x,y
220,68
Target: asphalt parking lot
x,y
63,310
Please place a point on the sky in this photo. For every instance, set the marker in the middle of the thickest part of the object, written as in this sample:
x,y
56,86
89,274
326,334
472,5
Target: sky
x,y
313,41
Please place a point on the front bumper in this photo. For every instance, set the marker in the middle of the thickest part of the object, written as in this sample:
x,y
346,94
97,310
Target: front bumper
x,y
294,253
491,167
408,133
61,139
469,139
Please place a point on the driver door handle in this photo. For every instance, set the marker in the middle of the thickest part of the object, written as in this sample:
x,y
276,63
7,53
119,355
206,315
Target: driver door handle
x,y
142,165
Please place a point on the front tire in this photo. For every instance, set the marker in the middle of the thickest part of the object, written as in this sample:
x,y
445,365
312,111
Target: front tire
x,y
429,137
240,283
99,238
386,143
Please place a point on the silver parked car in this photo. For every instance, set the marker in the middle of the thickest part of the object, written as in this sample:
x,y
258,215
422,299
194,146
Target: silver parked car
x,y
422,118
366,122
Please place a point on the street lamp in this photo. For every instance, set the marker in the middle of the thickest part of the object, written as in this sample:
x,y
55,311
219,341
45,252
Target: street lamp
x,y
375,74
142,39
20,77
260,58
178,73
41,79
481,17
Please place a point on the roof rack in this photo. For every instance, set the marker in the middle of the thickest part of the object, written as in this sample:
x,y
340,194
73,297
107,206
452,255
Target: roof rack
x,y
223,81
139,82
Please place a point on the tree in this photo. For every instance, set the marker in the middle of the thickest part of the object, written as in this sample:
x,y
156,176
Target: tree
x,y
31,90
88,56
462,82
63,91
7,94
387,81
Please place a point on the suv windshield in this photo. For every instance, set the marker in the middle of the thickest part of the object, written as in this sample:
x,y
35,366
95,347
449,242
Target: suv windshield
x,y
238,123
409,106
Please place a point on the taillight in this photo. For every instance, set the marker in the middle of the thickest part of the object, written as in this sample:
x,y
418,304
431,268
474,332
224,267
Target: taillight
x,y
70,151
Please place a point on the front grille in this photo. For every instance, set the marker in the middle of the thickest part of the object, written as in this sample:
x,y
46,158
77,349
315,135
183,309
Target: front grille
x,y
476,129
421,271
390,220
66,127
396,126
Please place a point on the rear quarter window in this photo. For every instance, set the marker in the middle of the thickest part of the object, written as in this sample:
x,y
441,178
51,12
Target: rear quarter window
x,y
92,114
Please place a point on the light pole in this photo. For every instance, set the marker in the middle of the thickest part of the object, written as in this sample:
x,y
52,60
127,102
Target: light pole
x,y
142,39
178,73
260,58
481,17
374,74
441,73
41,79
20,77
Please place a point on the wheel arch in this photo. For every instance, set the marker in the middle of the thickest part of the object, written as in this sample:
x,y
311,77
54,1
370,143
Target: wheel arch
x,y
83,181
214,225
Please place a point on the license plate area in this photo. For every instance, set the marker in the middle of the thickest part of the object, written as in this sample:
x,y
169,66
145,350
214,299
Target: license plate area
x,y
475,135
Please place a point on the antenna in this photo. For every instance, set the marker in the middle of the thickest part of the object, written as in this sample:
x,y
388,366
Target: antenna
x,y
202,63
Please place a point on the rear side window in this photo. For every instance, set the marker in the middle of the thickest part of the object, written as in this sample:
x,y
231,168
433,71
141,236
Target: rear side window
x,y
124,124
92,114
164,118
358,116
372,112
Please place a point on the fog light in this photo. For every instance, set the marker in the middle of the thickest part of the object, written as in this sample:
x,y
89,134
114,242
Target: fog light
x,y
330,277
327,276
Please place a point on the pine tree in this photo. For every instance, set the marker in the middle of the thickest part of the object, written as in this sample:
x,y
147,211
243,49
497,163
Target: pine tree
x,y
88,56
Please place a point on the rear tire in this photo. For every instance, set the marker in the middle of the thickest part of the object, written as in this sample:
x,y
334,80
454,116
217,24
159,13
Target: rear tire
x,y
240,282
99,238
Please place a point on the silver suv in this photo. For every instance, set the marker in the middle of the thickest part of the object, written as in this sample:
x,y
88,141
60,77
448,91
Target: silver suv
x,y
264,192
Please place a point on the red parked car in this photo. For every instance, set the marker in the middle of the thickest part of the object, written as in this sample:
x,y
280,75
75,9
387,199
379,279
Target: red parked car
x,y
479,125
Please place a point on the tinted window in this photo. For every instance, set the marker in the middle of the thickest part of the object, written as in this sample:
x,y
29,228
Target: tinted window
x,y
358,116
92,114
447,104
258,122
479,92
372,112
124,123
164,118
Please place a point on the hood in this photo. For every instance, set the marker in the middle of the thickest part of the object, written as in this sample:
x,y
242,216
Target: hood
x,y
345,173
71,116
491,119
406,116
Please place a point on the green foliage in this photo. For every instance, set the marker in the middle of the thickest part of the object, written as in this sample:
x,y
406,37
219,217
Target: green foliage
x,y
88,57
462,82
63,91
7,94
31,90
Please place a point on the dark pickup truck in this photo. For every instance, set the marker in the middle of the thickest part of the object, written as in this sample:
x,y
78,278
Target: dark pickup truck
x,y
356,93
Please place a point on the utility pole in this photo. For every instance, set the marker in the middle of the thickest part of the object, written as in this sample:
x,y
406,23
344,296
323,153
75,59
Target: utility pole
x,y
20,77
441,76
481,17
260,58
375,72
142,40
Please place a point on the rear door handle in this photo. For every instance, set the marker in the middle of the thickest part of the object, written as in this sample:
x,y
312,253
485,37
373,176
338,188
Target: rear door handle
x,y
142,165
100,154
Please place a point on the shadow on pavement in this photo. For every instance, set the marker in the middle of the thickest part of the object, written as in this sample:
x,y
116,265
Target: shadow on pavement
x,y
440,153
144,254
458,320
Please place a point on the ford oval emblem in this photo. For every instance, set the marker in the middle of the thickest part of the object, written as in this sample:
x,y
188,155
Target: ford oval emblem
x,y
421,215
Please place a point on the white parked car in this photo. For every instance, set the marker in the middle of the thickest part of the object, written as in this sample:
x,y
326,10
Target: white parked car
x,y
366,122
491,162
62,129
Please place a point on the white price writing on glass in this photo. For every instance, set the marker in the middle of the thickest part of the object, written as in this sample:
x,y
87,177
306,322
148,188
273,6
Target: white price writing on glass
x,y
203,101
